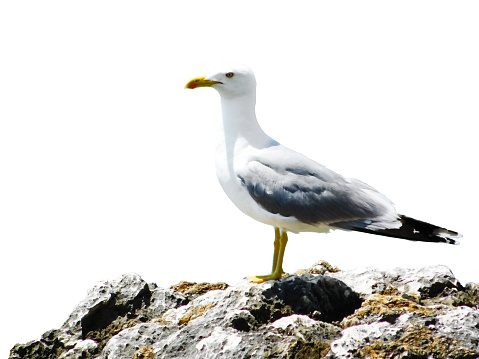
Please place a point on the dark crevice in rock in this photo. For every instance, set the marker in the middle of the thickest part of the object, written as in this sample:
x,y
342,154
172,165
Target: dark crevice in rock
x,y
437,288
109,318
326,299
270,310
241,323
104,314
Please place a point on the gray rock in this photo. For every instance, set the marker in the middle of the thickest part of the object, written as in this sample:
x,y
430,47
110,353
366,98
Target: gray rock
x,y
425,282
407,337
109,307
245,321
320,312
461,323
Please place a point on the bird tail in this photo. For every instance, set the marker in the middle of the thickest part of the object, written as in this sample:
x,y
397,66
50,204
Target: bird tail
x,y
410,229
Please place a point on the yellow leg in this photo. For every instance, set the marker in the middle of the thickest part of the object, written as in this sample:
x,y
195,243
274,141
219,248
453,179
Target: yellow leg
x,y
281,239
277,237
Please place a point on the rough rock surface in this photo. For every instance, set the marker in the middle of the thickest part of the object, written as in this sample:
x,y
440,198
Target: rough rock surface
x,y
321,312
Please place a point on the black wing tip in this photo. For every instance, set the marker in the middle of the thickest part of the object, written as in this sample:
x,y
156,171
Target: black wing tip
x,y
453,241
446,235
411,229
449,239
429,232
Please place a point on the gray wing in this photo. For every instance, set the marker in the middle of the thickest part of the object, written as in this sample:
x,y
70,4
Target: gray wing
x,y
287,183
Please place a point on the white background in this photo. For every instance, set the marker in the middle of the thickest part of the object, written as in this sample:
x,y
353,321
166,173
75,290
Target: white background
x,y
106,161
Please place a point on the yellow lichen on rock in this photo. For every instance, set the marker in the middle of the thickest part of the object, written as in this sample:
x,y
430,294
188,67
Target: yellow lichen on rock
x,y
144,353
190,288
387,306
416,341
193,313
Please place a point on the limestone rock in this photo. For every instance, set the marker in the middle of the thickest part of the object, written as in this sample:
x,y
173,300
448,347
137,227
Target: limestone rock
x,y
109,307
320,312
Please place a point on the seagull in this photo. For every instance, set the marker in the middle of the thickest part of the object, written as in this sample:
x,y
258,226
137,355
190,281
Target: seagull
x,y
287,190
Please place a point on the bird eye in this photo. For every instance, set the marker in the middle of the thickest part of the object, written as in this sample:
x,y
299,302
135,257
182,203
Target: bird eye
x,y
229,75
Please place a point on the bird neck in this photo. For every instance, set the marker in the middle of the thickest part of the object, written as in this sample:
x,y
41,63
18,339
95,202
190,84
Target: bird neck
x,y
240,125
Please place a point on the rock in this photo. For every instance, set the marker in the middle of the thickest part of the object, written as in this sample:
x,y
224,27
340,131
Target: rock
x,y
320,312
419,283
405,339
109,308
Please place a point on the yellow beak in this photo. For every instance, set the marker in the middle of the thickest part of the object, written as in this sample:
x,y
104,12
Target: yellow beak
x,y
200,82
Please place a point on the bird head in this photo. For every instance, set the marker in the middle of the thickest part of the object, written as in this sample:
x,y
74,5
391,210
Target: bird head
x,y
230,80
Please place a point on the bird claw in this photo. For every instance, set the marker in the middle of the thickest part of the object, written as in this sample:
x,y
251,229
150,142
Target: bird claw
x,y
258,279
264,278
